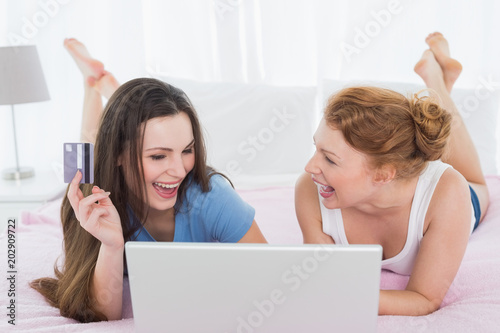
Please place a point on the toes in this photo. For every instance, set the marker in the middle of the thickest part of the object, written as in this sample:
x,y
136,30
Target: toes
x,y
433,35
428,54
69,41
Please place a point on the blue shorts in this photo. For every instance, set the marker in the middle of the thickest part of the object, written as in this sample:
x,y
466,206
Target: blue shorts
x,y
475,204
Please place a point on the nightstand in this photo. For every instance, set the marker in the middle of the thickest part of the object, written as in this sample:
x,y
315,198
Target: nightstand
x,y
28,194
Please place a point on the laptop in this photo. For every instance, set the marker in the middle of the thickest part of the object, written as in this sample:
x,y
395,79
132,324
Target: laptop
x,y
253,288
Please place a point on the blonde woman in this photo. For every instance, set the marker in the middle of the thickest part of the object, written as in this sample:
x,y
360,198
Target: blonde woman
x,y
399,172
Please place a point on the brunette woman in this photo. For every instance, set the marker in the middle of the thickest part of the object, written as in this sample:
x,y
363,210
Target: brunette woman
x,y
152,183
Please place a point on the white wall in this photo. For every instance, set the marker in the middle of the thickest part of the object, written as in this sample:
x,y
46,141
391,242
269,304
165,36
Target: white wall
x,y
131,36
113,38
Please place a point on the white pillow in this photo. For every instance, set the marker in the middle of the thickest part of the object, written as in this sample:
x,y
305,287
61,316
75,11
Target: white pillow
x,y
479,108
254,129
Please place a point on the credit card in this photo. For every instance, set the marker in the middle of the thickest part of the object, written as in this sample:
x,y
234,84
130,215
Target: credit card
x,y
79,156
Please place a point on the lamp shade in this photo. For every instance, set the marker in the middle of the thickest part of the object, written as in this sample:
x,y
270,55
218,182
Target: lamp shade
x,y
21,76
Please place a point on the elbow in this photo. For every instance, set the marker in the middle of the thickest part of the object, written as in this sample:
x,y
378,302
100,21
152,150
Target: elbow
x,y
406,303
428,306
433,306
114,317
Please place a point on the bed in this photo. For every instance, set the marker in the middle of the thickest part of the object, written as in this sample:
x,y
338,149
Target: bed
x,y
472,304
284,121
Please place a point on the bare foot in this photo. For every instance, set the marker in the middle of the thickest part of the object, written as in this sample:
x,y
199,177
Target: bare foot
x,y
451,67
89,67
430,71
106,85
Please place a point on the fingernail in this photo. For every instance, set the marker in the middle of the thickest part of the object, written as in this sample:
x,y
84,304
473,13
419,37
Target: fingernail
x,y
107,193
95,187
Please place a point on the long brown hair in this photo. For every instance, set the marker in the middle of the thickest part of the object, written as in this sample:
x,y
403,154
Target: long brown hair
x,y
120,134
390,128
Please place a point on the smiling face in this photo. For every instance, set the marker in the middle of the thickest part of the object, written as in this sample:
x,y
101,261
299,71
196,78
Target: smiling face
x,y
341,173
167,157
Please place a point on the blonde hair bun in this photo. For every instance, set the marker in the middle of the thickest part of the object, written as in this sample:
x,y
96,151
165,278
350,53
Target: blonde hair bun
x,y
390,128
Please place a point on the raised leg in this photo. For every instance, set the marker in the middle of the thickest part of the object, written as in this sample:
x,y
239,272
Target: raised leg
x,y
462,154
97,83
451,68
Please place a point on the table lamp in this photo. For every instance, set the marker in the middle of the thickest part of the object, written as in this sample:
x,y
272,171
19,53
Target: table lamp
x,y
21,81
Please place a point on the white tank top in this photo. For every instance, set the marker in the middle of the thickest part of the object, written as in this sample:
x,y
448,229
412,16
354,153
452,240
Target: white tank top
x,y
403,262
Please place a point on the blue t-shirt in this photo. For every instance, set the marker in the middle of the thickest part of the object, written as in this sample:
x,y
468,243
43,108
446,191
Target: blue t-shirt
x,y
219,215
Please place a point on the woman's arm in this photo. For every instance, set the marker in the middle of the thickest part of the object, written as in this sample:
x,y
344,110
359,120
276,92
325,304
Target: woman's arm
x,y
107,283
253,235
308,211
441,251
98,216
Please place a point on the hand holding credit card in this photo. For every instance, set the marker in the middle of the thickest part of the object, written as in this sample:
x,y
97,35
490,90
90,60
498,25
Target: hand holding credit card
x,y
79,156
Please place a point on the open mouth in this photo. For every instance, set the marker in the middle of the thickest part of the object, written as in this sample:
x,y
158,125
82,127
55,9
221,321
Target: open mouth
x,y
325,191
166,190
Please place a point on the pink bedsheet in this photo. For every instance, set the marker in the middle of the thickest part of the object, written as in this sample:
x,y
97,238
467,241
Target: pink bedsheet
x,y
471,305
